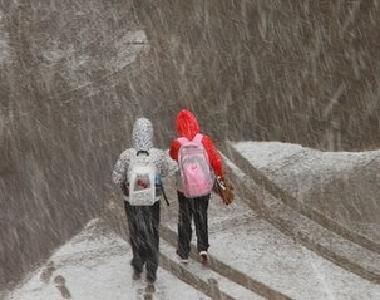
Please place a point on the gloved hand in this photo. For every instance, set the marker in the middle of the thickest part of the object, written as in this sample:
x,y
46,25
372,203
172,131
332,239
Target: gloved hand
x,y
224,190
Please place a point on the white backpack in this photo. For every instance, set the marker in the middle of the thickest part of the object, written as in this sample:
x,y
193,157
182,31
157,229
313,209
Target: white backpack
x,y
141,177
197,177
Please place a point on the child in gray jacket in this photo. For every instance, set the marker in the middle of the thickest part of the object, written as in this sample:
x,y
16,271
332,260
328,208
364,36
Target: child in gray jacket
x,y
138,172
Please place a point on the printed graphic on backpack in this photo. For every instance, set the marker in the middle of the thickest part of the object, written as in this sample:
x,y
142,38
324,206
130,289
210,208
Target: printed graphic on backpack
x,y
141,182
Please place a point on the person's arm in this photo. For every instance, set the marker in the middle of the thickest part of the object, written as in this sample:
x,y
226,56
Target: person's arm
x,y
213,156
223,188
171,163
174,148
120,170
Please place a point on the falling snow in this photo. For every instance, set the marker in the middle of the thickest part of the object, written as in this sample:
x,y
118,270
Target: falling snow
x,y
300,75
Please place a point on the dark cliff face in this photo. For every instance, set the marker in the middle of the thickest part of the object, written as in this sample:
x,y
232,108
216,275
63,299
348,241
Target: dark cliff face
x,y
74,75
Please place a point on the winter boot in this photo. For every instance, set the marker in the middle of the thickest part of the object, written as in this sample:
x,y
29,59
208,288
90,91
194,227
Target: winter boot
x,y
183,260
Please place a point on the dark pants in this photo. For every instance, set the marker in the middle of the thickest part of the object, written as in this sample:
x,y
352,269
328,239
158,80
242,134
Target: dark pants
x,y
189,208
143,222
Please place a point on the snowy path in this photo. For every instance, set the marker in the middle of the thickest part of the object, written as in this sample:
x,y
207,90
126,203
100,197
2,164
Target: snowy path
x,y
251,245
95,265
202,275
251,257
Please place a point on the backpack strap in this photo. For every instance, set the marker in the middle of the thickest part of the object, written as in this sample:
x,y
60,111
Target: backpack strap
x,y
182,140
198,138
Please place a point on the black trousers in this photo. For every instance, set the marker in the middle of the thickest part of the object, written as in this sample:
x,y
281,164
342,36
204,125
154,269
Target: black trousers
x,y
143,223
189,209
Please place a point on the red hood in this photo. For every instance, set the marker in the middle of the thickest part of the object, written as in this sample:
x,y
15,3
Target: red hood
x,y
187,124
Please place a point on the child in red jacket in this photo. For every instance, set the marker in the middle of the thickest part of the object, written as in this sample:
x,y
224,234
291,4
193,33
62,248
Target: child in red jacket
x,y
193,207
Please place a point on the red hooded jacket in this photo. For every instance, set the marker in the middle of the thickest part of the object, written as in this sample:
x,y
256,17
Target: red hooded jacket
x,y
187,126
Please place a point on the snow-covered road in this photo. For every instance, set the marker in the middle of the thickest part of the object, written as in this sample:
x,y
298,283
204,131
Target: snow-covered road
x,y
94,265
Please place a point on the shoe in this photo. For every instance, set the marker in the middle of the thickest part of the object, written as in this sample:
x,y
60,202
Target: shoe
x,y
204,257
183,260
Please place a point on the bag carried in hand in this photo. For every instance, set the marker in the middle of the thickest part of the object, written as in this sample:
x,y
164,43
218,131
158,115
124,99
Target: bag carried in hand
x,y
224,190
141,177
197,177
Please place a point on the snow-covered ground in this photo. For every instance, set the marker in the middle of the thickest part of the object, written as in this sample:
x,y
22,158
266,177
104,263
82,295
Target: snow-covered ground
x,y
274,259
95,265
341,185
274,156
251,245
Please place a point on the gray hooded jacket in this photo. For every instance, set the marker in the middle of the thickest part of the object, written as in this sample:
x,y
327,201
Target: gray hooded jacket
x,y
142,136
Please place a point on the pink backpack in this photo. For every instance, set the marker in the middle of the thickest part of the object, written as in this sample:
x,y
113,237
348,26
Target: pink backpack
x,y
197,177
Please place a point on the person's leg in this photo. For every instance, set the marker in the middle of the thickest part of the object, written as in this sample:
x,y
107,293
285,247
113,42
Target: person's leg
x,y
200,208
184,225
134,239
153,242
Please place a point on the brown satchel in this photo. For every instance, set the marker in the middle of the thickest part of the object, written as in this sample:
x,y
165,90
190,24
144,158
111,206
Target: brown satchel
x,y
224,190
